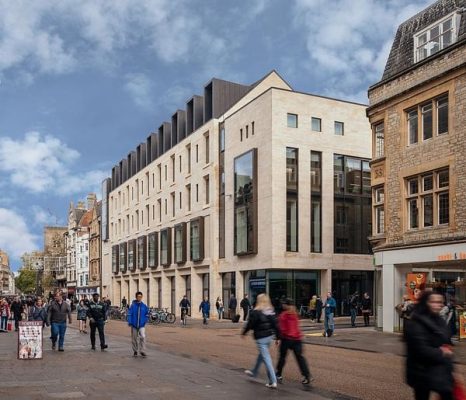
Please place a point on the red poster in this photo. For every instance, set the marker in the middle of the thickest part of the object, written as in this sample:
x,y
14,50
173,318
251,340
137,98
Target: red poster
x,y
414,283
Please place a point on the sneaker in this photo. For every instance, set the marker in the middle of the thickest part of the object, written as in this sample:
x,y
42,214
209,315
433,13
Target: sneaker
x,y
271,385
135,354
143,354
61,349
93,348
248,372
279,379
54,346
104,347
307,381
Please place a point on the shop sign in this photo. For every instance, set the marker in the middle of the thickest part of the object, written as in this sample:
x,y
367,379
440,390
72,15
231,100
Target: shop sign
x,y
452,256
257,283
30,340
414,282
463,325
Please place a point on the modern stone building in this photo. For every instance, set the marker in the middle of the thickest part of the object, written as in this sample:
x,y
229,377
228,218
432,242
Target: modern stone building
x,y
418,115
249,189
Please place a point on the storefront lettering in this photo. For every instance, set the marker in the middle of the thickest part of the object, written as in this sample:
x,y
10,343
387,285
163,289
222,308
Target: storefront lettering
x,y
452,256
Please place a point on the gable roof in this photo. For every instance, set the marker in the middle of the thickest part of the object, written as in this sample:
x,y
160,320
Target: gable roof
x,y
402,53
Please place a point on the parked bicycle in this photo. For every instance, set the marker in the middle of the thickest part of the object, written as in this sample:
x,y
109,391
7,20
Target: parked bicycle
x,y
117,313
159,315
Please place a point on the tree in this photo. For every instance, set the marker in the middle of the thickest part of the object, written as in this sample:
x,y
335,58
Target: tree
x,y
26,280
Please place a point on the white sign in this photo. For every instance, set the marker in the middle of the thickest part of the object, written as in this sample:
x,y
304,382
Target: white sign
x,y
30,340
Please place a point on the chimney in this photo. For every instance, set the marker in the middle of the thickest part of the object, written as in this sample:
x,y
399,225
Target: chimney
x,y
91,200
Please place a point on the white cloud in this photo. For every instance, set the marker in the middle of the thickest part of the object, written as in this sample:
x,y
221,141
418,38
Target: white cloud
x,y
41,164
140,88
15,237
44,217
348,41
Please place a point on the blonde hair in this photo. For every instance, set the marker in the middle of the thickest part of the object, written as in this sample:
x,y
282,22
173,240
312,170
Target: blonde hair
x,y
263,302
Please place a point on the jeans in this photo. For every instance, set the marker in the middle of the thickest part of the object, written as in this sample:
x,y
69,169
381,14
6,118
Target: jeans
x,y
58,329
4,323
328,322
354,313
263,345
97,325
367,316
17,319
138,339
220,312
297,347
245,313
205,317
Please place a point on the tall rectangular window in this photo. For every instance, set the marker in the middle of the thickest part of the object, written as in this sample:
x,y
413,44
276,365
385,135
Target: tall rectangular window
x,y
180,243
188,151
165,247
339,128
159,206
291,120
180,164
152,250
173,168
316,202
188,197
207,152
115,254
197,193
291,199
131,255
122,258
316,124
379,140
221,187
379,210
196,239
159,171
245,206
172,195
197,153
427,121
207,189
442,115
142,253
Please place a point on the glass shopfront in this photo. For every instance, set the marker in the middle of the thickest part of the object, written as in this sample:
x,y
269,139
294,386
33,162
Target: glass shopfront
x,y
346,283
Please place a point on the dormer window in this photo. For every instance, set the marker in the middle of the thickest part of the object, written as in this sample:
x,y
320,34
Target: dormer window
x,y
436,37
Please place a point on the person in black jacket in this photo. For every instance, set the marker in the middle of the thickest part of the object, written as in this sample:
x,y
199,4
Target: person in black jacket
x,y
263,323
429,362
97,313
245,306
17,309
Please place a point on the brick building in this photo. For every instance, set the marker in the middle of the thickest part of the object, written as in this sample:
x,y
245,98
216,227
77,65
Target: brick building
x,y
418,117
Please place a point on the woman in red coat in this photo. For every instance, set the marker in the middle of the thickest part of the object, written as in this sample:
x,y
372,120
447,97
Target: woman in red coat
x,y
4,315
291,339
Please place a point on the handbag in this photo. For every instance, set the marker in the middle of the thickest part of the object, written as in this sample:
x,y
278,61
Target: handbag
x,y
459,391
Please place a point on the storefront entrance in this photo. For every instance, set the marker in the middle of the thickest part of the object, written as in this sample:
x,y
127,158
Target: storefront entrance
x,y
346,283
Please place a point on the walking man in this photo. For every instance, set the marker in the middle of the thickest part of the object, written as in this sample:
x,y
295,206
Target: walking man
x,y
233,303
205,308
124,303
330,307
138,315
354,300
246,306
57,313
17,309
97,313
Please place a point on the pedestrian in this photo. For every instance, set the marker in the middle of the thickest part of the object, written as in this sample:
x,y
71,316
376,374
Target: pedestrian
x,y
263,323
108,303
219,307
86,301
329,307
232,304
37,312
57,313
185,305
354,303
245,305
81,315
97,313
312,308
429,362
319,306
17,309
205,308
124,302
138,315
4,315
366,308
291,339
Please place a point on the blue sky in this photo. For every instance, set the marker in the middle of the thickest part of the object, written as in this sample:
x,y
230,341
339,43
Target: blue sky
x,y
83,82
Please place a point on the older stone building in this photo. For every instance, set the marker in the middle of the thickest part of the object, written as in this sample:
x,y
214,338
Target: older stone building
x,y
95,279
252,188
418,115
7,278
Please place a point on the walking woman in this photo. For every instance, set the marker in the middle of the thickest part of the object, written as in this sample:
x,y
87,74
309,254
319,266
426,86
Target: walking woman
x,y
82,316
219,307
264,325
37,312
429,363
291,339
4,315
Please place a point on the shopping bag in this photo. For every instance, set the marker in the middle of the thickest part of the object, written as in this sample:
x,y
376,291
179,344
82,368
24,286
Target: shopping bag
x,y
9,326
459,391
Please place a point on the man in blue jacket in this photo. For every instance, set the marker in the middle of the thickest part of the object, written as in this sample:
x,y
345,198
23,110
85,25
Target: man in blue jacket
x,y
138,315
205,308
330,306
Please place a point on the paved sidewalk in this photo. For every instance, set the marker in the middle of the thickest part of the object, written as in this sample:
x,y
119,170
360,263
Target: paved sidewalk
x,y
115,374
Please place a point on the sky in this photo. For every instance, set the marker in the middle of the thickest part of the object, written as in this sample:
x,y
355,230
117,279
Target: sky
x,y
84,82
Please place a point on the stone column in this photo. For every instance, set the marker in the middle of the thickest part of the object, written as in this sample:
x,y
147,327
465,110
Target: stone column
x,y
388,296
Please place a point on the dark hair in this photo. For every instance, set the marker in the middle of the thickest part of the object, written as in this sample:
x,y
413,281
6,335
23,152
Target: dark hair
x,y
422,307
138,293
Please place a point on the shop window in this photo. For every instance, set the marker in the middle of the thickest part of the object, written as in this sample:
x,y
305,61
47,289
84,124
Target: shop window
x,y
180,243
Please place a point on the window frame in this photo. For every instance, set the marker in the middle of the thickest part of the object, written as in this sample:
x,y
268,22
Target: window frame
x,y
319,120
200,222
338,123
168,261
181,227
288,115
378,202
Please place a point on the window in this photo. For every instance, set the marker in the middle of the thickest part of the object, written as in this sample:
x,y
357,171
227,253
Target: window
x,y
241,135
188,197
245,206
181,200
379,211
379,140
339,128
291,199
172,195
131,255
436,37
115,254
206,138
188,150
159,168
316,124
180,243
159,204
428,119
152,250
252,128
196,239
197,193
166,208
292,120
142,253
428,199
197,153
247,131
316,202
207,189
122,257
165,247
173,168
180,163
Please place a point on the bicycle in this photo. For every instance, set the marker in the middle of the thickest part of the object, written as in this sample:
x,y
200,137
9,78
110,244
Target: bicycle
x,y
162,315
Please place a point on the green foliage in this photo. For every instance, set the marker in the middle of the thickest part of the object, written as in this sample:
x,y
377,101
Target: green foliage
x,y
26,281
